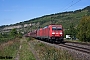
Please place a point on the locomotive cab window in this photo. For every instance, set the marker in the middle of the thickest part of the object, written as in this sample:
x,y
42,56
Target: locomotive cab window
x,y
59,28
55,28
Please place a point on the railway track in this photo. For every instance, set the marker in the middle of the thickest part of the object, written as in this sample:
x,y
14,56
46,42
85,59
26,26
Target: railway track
x,y
81,49
76,51
88,44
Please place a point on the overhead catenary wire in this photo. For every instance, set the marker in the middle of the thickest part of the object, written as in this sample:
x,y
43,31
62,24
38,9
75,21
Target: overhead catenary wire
x,y
69,3
72,4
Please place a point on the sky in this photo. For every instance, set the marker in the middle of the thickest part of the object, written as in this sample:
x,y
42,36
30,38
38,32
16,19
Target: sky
x,y
15,11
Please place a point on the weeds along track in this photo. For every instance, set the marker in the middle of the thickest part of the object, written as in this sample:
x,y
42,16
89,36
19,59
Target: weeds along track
x,y
77,46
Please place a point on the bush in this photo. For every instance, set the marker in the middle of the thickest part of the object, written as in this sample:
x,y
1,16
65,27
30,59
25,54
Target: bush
x,y
84,29
29,38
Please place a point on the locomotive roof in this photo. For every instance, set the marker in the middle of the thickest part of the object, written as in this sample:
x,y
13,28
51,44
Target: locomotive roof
x,y
57,25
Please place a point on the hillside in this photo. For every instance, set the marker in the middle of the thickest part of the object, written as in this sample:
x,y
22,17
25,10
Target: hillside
x,y
64,18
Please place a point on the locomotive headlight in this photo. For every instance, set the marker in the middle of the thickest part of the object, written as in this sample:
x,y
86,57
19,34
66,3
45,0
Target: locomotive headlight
x,y
53,33
61,33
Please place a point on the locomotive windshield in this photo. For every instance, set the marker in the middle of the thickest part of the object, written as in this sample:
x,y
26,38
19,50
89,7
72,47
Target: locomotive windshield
x,y
56,28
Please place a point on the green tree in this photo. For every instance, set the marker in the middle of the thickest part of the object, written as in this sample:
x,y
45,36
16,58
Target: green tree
x,y
14,33
1,36
19,34
84,29
72,31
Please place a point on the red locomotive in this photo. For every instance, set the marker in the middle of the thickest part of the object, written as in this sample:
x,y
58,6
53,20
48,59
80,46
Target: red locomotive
x,y
52,33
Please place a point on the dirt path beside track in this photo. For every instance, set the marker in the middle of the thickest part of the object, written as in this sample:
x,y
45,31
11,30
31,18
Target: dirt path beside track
x,y
18,52
25,52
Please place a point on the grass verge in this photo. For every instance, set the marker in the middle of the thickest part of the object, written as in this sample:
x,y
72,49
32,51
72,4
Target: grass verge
x,y
25,53
46,52
8,50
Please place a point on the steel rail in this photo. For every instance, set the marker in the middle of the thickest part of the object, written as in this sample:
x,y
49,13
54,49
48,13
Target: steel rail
x,y
81,49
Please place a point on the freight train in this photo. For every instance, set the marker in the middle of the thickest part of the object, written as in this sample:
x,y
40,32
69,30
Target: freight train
x,y
52,33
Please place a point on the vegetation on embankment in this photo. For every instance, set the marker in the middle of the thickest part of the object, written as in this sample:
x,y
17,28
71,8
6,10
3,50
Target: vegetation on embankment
x,y
9,44
25,53
82,32
13,34
12,44
9,49
46,52
84,29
